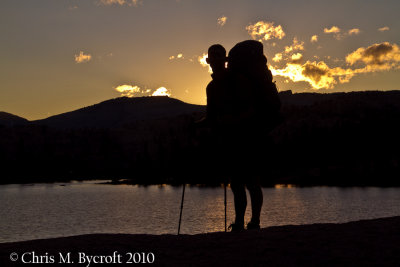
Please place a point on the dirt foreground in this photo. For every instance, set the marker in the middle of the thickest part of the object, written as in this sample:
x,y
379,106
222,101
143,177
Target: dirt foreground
x,y
362,243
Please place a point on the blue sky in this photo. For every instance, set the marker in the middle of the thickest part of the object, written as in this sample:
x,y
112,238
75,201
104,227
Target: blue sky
x,y
61,55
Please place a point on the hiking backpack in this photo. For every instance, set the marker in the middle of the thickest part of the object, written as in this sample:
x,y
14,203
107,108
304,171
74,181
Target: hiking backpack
x,y
247,60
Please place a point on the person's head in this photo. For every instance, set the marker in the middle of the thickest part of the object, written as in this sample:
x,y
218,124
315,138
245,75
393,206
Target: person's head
x,y
217,57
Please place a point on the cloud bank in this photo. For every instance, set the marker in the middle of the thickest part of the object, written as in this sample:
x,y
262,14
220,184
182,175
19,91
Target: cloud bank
x,y
377,57
318,74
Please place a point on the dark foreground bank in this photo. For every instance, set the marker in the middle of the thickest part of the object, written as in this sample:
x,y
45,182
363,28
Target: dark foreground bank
x,y
362,243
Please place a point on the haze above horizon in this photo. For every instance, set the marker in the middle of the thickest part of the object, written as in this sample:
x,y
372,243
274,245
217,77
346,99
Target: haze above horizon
x,y
58,56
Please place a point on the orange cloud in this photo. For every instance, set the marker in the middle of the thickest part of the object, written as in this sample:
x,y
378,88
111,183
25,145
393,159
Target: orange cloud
x,y
314,39
264,30
333,29
135,91
179,56
120,2
377,57
128,90
295,46
381,56
162,91
82,58
298,73
354,31
203,62
318,74
222,20
297,58
386,28
337,32
277,57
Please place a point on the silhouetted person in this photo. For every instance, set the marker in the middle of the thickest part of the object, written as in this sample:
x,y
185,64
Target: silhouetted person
x,y
219,110
240,102
217,89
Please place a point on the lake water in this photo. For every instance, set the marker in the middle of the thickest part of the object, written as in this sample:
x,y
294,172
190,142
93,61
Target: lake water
x,y
53,210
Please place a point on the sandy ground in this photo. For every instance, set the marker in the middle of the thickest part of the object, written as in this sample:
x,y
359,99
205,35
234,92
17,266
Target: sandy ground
x,y
362,243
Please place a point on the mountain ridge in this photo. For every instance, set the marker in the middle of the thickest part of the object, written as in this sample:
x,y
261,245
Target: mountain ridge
x,y
9,119
120,111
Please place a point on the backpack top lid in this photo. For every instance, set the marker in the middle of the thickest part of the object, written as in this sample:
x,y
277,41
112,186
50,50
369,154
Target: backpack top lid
x,y
249,53
247,47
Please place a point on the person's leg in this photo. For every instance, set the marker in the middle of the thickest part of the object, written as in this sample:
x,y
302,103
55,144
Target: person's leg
x,y
256,197
240,201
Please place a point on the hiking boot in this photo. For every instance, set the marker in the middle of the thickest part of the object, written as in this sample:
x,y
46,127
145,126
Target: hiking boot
x,y
253,226
236,227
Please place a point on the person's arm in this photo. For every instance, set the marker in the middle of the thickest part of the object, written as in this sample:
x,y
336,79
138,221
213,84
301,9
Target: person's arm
x,y
210,108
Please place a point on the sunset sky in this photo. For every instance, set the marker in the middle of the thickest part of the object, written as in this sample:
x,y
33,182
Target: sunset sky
x,y
61,55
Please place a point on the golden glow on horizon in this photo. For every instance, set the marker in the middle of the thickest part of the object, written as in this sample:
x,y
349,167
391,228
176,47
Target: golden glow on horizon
x,y
124,50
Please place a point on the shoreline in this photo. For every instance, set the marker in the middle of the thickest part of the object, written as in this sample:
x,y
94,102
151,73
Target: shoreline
x,y
366,242
210,185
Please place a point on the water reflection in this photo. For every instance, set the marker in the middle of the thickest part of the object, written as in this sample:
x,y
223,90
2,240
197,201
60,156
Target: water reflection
x,y
52,210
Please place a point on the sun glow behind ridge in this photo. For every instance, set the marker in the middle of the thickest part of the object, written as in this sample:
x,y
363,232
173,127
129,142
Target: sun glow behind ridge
x,y
171,51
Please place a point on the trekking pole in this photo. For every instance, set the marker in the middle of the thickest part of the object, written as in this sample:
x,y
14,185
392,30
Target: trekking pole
x,y
225,203
180,215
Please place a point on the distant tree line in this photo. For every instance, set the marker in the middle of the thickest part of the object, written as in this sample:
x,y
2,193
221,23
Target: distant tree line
x,y
345,139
